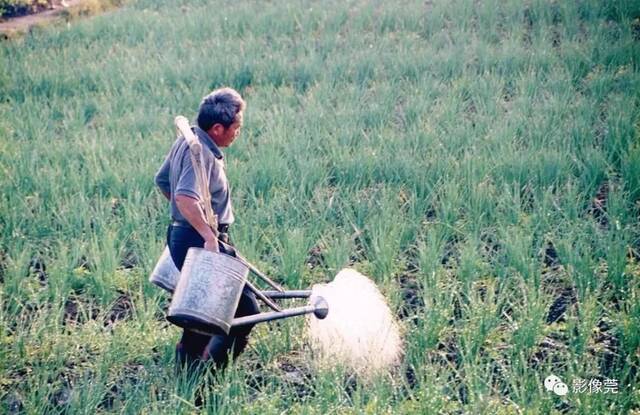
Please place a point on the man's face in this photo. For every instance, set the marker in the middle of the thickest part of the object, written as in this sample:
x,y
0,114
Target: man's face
x,y
232,132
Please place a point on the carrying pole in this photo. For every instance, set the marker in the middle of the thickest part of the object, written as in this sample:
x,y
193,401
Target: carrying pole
x,y
202,179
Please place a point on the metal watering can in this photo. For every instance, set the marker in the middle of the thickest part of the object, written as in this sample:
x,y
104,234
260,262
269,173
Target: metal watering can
x,y
208,291
165,274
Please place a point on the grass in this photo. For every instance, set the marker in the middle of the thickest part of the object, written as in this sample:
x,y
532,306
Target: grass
x,y
479,160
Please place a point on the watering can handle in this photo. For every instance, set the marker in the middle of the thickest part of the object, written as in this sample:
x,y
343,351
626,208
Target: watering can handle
x,y
263,297
252,268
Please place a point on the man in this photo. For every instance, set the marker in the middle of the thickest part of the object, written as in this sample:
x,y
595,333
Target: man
x,y
219,122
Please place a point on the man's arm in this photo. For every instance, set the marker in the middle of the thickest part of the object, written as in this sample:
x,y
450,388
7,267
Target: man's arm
x,y
190,209
166,194
162,178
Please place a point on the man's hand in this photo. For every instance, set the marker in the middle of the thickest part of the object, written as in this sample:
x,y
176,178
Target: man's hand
x,y
212,245
225,246
224,237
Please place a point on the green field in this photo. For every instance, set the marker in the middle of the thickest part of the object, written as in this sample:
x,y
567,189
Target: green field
x,y
480,160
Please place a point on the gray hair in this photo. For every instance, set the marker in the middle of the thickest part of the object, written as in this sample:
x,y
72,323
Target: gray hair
x,y
220,107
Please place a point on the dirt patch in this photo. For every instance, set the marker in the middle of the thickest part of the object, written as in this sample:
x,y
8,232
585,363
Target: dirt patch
x,y
162,310
315,256
491,246
61,397
25,18
411,378
527,198
77,310
360,252
14,404
560,305
129,259
598,208
508,91
117,207
122,309
20,9
556,21
550,256
558,285
292,370
410,287
130,374
50,12
635,28
633,254
38,269
3,265
527,21
296,375
470,110
451,252
400,117
84,263
430,213
412,262
606,347
71,311
552,351
412,301
256,379
447,355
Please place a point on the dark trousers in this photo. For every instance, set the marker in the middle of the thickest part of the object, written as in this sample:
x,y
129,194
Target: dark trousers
x,y
193,347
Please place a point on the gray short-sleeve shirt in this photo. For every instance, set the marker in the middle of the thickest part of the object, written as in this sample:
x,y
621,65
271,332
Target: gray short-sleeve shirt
x,y
176,176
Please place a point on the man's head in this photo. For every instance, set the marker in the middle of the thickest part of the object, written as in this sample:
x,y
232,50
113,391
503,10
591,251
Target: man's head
x,y
220,115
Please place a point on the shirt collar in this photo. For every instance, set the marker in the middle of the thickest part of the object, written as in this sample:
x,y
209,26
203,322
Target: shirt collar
x,y
206,140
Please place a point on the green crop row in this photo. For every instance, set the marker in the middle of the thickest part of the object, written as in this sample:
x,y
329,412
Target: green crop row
x,y
478,160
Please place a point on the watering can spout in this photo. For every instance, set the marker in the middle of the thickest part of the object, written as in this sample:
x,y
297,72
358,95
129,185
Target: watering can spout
x,y
319,308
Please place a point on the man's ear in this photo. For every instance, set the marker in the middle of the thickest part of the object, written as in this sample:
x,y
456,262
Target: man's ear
x,y
216,129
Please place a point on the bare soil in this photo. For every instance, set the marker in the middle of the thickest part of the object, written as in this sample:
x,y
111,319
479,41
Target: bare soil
x,y
22,23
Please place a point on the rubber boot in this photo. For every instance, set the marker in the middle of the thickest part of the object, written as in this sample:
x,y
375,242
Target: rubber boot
x,y
217,350
239,344
186,363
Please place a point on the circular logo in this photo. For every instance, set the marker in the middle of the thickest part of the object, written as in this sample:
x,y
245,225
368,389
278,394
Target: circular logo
x,y
560,389
551,381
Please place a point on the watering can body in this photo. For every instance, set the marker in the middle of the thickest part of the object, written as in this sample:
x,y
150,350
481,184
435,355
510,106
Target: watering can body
x,y
208,291
165,274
